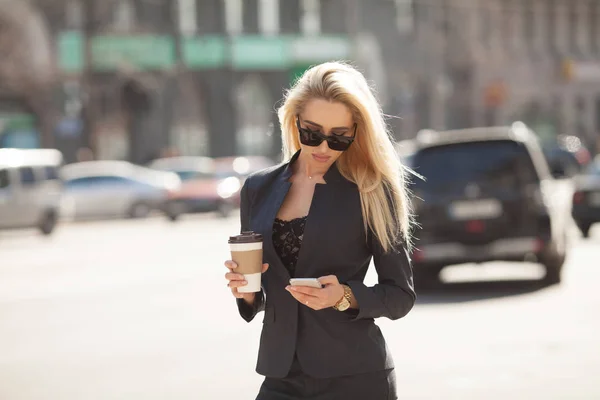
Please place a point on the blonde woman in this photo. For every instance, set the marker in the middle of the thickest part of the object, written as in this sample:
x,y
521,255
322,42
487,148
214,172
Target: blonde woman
x,y
338,201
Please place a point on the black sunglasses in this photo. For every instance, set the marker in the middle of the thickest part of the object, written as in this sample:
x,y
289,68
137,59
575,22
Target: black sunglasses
x,y
315,138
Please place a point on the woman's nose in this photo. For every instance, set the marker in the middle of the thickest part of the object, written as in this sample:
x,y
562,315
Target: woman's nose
x,y
324,147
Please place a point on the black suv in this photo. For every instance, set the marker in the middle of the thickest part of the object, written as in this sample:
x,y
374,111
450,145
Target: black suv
x,y
487,195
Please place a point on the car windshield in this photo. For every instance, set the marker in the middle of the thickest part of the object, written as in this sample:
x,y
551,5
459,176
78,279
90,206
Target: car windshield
x,y
491,163
189,174
594,168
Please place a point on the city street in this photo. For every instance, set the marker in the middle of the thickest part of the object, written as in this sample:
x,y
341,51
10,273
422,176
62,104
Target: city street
x,y
140,310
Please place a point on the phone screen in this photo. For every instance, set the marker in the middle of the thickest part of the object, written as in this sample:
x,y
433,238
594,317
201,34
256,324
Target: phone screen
x,y
310,282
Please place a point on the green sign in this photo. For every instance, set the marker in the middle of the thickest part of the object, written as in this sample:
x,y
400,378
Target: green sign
x,y
145,52
70,51
204,52
259,52
297,71
246,52
318,49
14,121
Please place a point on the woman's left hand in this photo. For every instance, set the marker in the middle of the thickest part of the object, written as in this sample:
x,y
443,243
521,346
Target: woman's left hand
x,y
318,299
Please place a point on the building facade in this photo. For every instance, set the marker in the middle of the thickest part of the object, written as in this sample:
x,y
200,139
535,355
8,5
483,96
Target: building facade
x,y
490,62
137,77
198,76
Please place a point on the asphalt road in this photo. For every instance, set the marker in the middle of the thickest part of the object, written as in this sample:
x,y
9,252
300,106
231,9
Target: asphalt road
x,y
139,310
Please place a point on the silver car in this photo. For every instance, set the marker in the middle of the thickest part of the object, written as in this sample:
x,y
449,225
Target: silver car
x,y
108,189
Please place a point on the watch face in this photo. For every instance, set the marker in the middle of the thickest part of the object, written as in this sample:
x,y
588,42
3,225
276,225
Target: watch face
x,y
344,306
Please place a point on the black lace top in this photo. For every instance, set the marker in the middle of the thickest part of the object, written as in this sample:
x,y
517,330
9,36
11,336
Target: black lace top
x,y
287,240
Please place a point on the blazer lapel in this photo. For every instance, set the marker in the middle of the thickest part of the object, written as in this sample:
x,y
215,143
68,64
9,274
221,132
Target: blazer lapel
x,y
320,208
266,217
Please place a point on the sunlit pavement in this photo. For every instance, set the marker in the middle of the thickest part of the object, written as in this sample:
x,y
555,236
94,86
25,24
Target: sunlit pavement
x,y
139,310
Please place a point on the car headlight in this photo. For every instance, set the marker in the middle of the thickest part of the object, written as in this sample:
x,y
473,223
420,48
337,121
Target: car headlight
x,y
228,187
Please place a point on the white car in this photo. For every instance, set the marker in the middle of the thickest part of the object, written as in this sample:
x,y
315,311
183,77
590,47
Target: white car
x,y
30,191
107,189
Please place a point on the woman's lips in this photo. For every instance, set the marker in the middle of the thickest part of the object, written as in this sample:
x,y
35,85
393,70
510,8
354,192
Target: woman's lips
x,y
321,158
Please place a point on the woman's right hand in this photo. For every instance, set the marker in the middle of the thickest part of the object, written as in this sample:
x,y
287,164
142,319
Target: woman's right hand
x,y
237,280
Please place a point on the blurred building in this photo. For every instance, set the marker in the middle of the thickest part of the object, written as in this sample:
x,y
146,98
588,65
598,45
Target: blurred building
x,y
493,61
198,76
139,78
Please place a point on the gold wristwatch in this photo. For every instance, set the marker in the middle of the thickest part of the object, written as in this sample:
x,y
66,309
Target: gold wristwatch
x,y
344,302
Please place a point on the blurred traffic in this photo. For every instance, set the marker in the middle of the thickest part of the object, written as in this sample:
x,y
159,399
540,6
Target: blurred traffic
x,y
37,189
488,194
480,194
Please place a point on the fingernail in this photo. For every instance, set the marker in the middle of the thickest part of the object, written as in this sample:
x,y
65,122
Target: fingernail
x,y
287,288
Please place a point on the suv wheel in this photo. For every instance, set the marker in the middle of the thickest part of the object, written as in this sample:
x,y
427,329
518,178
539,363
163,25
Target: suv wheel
x,y
553,261
174,209
48,223
585,229
553,273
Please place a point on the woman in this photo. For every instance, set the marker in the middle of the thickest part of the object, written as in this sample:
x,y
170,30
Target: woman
x,y
339,201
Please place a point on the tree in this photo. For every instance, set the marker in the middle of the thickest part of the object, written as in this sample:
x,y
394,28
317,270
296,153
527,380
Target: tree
x,y
27,67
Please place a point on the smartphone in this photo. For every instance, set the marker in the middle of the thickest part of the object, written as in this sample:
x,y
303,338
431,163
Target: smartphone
x,y
310,282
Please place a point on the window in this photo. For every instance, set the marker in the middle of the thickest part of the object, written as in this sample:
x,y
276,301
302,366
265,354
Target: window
x,y
96,181
539,18
27,175
4,179
74,15
509,22
404,16
310,22
234,16
124,15
529,23
186,175
494,164
268,17
593,31
80,182
485,23
593,168
561,20
573,28
188,23
551,29
51,173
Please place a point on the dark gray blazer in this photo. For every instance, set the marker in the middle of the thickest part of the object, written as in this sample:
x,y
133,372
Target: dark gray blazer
x,y
328,343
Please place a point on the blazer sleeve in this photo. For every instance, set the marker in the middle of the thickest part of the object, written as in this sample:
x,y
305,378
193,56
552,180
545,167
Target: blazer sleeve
x,y
394,296
248,312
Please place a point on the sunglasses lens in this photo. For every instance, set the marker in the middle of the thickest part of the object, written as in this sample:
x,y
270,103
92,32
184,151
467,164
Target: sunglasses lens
x,y
339,143
309,138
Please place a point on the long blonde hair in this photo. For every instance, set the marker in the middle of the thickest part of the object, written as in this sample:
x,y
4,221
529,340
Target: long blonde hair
x,y
371,162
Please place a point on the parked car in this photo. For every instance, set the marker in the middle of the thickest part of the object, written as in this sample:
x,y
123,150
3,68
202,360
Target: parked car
x,y
567,156
204,188
586,199
488,195
30,189
406,151
242,166
108,189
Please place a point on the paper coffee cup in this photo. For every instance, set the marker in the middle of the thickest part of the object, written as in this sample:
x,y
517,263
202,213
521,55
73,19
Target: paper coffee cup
x,y
247,252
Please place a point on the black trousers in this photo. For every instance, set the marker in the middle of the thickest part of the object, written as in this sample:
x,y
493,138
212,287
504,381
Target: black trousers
x,y
379,385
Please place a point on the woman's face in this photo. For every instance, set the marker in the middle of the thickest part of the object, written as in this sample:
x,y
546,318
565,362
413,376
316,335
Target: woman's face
x,y
328,118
